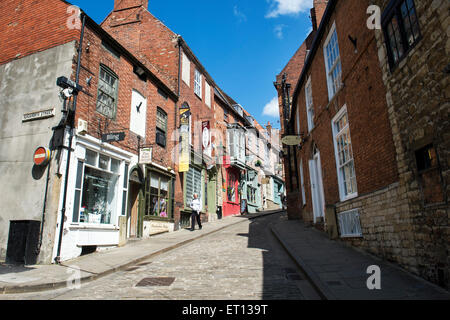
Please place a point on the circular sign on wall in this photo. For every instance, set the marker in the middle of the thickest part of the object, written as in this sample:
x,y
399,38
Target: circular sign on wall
x,y
41,156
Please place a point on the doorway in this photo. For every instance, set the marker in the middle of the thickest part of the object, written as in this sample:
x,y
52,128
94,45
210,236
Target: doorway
x,y
134,209
317,193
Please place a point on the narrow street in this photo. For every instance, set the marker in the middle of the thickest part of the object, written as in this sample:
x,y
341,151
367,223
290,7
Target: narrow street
x,y
242,262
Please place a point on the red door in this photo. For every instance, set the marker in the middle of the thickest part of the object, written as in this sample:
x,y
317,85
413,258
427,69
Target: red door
x,y
231,204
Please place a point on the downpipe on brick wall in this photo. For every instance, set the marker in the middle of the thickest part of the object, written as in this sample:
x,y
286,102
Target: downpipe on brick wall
x,y
71,120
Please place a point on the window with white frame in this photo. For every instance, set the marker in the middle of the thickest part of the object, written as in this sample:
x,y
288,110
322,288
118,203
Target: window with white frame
x,y
302,182
186,70
344,156
298,121
309,105
332,62
198,84
207,94
97,189
349,224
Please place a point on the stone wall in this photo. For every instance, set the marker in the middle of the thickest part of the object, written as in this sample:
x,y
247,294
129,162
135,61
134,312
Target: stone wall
x,y
385,224
418,97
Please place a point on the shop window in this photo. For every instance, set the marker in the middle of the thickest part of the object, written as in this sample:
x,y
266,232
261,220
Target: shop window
x,y
232,192
158,195
161,127
108,84
401,29
429,174
99,189
251,194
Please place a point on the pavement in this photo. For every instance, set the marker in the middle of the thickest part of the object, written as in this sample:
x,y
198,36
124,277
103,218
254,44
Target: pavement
x,y
336,271
339,272
35,278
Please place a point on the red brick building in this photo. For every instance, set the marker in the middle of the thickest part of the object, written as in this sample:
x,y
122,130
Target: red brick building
x,y
136,28
368,170
103,194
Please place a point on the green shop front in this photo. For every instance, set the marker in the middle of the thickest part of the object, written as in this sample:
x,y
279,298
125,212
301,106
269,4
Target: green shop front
x,y
158,204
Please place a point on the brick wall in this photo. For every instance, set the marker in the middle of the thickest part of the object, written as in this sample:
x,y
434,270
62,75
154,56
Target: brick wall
x,y
29,27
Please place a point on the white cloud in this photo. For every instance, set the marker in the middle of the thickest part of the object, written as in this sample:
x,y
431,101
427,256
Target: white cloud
x,y
288,7
279,31
239,14
271,109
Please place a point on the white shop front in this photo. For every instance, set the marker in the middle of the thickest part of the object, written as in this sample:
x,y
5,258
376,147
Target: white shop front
x,y
97,196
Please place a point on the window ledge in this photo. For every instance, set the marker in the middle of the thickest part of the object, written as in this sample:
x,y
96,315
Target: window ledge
x,y
91,226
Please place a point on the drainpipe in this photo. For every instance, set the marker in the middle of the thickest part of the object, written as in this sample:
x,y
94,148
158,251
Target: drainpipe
x,y
41,235
71,119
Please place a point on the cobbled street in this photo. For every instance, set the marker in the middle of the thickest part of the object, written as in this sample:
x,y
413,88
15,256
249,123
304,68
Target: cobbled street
x,y
242,262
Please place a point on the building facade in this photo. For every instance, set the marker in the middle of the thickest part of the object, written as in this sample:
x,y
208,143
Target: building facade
x,y
369,169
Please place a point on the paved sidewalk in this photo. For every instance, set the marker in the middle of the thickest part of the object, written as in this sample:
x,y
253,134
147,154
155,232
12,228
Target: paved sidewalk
x,y
339,272
19,279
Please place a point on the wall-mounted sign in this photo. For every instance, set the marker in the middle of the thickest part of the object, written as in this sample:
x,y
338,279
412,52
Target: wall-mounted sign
x,y
37,115
184,158
265,181
292,140
113,137
145,155
41,156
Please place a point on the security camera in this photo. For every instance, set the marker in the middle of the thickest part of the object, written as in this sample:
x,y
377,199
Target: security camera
x,y
65,83
67,93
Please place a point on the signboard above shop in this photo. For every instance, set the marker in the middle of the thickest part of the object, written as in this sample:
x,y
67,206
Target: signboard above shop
x,y
145,155
292,140
113,137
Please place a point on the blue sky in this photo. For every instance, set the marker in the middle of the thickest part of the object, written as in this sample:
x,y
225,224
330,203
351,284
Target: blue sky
x,y
243,44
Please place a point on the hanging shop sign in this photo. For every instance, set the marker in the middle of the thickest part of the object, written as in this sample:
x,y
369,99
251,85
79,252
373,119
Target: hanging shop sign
x,y
113,137
292,140
184,158
37,115
41,156
145,155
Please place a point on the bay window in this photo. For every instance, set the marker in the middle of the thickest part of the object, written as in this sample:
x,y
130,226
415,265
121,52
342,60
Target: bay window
x,y
97,189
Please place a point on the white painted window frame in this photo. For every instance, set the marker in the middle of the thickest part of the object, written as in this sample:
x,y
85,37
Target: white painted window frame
x,y
207,94
186,70
198,78
302,181
347,219
309,105
336,134
332,90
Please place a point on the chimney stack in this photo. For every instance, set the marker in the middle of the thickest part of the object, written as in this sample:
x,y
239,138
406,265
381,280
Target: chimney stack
x,y
317,13
128,4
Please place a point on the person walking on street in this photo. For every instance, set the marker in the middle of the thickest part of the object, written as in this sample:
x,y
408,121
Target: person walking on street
x,y
196,206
